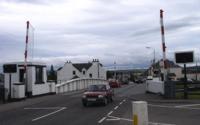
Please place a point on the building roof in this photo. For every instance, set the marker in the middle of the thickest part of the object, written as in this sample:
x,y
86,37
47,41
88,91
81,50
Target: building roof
x,y
28,63
81,66
59,68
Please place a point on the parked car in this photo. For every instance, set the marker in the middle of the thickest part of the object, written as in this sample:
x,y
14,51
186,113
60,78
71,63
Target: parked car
x,y
99,93
114,84
139,80
126,82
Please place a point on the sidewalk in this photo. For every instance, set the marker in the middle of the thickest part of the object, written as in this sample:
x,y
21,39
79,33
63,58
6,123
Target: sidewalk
x,y
155,98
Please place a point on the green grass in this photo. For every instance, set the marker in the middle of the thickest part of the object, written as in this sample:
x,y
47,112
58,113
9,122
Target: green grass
x,y
181,95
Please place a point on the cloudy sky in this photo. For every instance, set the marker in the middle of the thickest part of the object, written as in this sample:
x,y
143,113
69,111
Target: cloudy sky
x,y
110,30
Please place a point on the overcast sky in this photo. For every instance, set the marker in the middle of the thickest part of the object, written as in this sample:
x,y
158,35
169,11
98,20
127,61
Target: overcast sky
x,y
110,30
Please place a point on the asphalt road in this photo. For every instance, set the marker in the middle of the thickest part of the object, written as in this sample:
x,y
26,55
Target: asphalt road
x,y
67,109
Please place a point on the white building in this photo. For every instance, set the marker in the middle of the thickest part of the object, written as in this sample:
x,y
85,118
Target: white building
x,y
36,80
174,70
70,71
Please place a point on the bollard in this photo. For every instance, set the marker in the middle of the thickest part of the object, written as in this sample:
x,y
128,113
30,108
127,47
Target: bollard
x,y
140,113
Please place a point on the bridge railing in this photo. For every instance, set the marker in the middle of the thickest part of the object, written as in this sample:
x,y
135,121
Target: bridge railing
x,y
77,84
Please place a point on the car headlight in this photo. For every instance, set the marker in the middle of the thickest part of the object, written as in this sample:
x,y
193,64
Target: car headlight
x,y
100,96
84,96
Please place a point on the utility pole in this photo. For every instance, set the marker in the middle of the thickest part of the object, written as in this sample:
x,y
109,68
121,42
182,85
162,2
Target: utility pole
x,y
154,57
115,71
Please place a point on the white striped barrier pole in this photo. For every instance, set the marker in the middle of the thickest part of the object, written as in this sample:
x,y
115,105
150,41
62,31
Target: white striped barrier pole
x,y
140,113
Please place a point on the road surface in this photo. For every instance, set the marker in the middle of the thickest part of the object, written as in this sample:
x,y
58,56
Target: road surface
x,y
67,109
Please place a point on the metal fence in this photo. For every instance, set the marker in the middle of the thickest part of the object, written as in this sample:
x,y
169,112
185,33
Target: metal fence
x,y
174,89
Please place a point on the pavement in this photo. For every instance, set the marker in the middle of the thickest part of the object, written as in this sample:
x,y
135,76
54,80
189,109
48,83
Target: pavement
x,y
66,108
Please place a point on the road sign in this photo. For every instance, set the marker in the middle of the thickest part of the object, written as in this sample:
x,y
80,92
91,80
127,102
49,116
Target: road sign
x,y
184,57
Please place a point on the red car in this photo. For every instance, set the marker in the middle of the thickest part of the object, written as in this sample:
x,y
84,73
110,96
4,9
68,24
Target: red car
x,y
99,93
114,84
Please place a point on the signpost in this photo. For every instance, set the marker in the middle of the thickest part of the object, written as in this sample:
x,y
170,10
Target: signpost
x,y
183,58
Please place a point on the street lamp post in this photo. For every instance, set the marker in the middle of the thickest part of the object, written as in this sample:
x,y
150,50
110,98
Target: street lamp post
x,y
115,76
154,56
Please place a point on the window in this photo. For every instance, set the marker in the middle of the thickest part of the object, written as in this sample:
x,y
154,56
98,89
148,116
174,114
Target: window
x,y
74,72
83,72
39,75
21,75
90,75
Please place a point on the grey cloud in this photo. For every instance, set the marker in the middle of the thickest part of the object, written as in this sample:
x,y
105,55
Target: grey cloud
x,y
105,30
173,25
43,2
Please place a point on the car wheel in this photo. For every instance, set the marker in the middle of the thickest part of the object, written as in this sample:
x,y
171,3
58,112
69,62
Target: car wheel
x,y
111,99
85,104
105,102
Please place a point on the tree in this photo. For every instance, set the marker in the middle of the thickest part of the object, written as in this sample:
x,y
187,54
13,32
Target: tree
x,y
52,74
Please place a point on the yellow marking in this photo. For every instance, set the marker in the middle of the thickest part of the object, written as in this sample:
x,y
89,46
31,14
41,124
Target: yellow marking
x,y
135,119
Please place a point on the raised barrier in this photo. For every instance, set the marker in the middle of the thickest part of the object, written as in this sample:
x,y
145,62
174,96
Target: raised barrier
x,y
77,84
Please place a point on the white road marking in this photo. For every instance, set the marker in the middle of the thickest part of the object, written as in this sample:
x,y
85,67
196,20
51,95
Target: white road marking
x,y
100,121
40,108
116,107
155,123
161,106
110,113
48,114
114,118
188,108
175,107
180,106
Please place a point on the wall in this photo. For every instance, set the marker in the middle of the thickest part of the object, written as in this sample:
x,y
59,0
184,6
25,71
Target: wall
x,y
36,89
39,89
78,84
155,86
14,79
66,73
177,71
193,76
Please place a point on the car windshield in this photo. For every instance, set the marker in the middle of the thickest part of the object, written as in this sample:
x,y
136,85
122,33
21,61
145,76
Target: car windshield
x,y
94,88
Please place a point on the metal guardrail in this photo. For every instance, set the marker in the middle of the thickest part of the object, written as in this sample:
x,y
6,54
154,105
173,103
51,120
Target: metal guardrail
x,y
77,84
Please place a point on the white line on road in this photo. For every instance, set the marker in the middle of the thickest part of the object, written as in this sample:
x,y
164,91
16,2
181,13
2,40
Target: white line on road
x,y
116,107
110,113
124,100
114,118
161,106
189,105
118,118
155,123
100,121
175,107
49,114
